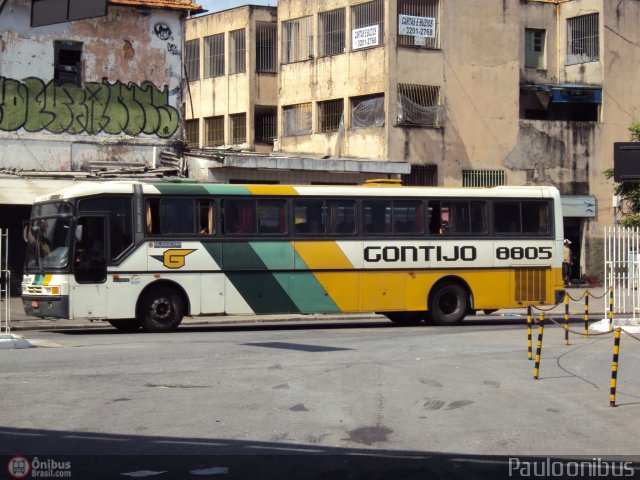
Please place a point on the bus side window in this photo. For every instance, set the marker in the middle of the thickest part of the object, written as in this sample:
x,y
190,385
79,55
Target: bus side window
x,y
152,216
308,216
376,216
342,217
479,218
435,218
506,216
205,217
271,216
239,216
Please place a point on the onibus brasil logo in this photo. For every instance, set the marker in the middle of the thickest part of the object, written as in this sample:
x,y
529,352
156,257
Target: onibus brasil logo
x,y
21,467
174,258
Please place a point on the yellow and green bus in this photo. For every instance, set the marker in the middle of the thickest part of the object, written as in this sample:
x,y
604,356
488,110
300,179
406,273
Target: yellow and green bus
x,y
144,255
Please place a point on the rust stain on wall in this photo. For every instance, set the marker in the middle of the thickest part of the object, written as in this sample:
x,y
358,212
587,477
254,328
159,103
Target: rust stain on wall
x,y
127,50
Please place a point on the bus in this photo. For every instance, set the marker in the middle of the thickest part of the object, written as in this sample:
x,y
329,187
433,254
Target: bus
x,y
146,254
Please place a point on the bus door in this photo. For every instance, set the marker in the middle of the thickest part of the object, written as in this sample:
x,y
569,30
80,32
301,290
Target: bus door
x,y
89,287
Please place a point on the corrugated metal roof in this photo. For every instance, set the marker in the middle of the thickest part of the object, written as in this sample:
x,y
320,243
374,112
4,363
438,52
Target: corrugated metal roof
x,y
168,4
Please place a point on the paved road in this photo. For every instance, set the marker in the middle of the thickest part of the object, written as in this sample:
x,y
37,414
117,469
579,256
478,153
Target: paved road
x,y
368,397
20,322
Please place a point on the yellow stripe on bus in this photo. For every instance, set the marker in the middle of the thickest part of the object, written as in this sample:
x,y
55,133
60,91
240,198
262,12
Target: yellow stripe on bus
x,y
271,190
47,280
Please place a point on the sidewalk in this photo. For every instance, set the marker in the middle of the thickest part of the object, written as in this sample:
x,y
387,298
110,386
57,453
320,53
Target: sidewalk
x,y
598,307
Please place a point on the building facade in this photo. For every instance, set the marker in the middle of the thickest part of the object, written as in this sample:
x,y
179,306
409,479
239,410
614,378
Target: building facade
x,y
84,85
469,93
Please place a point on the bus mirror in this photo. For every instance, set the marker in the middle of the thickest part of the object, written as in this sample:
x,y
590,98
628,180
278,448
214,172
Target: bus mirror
x,y
25,231
78,233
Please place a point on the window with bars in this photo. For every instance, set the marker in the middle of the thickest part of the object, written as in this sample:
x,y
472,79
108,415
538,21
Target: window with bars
x,y
192,132
67,63
419,105
421,176
238,128
367,111
367,25
237,51
583,42
418,23
483,178
266,46
296,119
192,59
214,131
214,55
331,34
265,119
297,40
534,45
330,115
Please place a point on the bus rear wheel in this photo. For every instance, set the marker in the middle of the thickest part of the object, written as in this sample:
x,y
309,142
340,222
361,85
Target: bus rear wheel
x,y
449,304
161,310
405,319
125,325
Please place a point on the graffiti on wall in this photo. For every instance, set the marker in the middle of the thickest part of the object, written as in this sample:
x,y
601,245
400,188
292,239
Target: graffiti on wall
x,y
111,108
163,32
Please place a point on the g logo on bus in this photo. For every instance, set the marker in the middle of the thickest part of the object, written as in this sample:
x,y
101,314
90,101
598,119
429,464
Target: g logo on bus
x,y
173,258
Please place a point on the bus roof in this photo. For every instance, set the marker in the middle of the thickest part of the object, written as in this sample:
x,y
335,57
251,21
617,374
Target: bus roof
x,y
84,189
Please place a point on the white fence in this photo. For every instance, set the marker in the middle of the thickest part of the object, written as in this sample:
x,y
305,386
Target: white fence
x,y
5,283
622,268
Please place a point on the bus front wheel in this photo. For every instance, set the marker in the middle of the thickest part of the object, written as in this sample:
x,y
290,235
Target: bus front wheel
x,y
449,304
161,310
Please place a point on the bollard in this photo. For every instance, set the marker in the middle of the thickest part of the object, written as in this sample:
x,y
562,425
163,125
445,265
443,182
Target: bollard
x,y
614,367
586,314
610,309
529,353
536,368
566,319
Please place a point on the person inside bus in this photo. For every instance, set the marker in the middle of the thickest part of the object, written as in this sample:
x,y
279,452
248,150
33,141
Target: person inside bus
x,y
566,261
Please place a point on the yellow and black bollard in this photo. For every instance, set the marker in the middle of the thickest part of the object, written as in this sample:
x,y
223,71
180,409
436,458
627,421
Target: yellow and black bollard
x,y
586,313
536,368
614,367
610,309
566,319
529,353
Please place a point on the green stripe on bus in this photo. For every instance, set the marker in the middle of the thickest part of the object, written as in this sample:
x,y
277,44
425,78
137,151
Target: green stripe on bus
x,y
224,189
308,295
39,279
275,255
181,189
263,292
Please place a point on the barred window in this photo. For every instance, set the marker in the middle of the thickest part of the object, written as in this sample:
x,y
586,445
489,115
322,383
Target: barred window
x,y
192,133
367,111
418,23
331,35
330,115
297,40
192,59
534,40
237,50
266,46
214,55
583,43
421,176
214,131
483,178
296,120
265,119
419,105
238,128
367,25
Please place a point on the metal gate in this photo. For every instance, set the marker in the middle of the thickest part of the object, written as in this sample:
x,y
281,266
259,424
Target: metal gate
x,y
5,283
622,268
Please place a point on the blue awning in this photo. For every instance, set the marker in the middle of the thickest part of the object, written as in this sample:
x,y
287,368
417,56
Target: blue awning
x,y
574,95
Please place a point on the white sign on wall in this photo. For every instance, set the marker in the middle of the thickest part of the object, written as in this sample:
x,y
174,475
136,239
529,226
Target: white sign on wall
x,y
364,37
417,26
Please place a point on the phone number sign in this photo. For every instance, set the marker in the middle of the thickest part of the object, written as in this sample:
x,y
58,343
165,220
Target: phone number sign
x,y
417,26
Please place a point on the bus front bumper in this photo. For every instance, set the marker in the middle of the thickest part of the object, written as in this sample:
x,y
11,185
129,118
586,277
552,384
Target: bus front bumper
x,y
46,306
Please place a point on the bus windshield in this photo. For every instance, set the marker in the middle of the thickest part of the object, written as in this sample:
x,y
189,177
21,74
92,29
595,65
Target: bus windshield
x,y
48,243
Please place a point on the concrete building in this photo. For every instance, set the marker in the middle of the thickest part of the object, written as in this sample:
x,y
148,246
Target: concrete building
x,y
468,93
84,85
